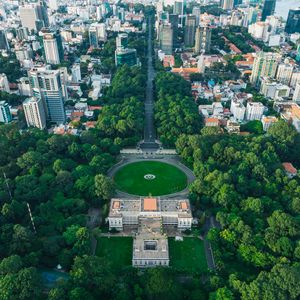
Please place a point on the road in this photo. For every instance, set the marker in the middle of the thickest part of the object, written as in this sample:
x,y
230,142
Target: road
x,y
149,129
210,223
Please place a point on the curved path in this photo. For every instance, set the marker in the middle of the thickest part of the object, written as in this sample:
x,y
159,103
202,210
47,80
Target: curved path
x,y
172,161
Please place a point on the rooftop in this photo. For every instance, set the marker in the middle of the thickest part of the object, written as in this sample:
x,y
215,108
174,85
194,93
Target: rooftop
x,y
289,168
150,204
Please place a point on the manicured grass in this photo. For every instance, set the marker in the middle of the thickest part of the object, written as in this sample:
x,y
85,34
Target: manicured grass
x,y
188,255
116,250
168,179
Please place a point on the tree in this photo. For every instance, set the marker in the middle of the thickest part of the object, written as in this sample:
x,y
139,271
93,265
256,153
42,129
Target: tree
x,y
11,265
93,274
104,187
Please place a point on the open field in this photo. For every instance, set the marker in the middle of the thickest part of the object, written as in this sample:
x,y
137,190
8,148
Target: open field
x,y
187,255
164,179
116,250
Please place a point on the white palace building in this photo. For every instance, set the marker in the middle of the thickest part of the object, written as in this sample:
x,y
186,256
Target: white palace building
x,y
129,211
149,216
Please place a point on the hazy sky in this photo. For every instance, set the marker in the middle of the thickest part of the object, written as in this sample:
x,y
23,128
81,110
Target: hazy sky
x,y
283,6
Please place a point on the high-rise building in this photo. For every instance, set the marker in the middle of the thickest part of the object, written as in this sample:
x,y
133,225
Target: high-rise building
x,y
124,55
197,13
298,54
122,40
174,21
4,84
166,38
97,33
3,40
46,85
76,73
189,31
296,96
227,4
5,115
293,21
178,8
237,2
22,33
254,111
268,9
202,39
285,72
93,36
53,49
34,112
34,16
265,65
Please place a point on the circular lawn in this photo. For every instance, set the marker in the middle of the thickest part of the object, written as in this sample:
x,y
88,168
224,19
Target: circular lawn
x,y
150,178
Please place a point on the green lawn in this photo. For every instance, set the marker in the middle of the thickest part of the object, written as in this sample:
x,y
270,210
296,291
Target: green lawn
x,y
117,250
188,255
168,179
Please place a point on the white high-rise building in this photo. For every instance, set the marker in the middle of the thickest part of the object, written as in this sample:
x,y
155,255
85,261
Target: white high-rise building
x,y
34,15
4,85
52,46
24,86
227,4
285,72
295,79
265,65
238,110
46,85
296,96
34,112
76,73
254,111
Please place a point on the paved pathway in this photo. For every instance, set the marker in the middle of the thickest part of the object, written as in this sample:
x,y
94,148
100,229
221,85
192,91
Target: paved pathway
x,y
209,223
149,130
94,220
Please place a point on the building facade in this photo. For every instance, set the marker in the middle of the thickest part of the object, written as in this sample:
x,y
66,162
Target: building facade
x,y
46,85
254,111
293,21
166,38
189,31
265,65
128,212
34,112
5,114
53,48
202,39
268,9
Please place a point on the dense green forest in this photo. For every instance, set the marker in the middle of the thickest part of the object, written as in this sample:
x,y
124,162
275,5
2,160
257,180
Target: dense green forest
x,y
175,109
242,182
60,177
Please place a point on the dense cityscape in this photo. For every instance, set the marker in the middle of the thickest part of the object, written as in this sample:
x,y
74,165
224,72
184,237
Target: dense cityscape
x,y
149,149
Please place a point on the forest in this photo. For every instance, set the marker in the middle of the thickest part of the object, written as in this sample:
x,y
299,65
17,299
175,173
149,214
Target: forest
x,y
241,181
175,110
